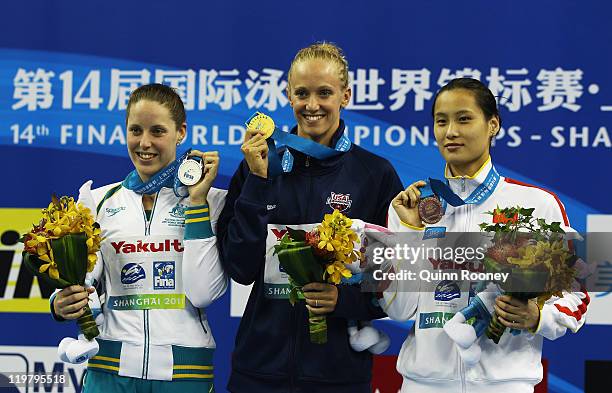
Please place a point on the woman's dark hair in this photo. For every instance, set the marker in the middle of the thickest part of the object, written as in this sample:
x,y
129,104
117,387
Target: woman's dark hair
x,y
484,98
162,94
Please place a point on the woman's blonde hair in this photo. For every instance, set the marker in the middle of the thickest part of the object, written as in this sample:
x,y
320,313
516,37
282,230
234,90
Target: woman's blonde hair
x,y
324,51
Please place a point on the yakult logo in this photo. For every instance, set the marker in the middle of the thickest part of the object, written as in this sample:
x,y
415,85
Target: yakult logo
x,y
342,202
279,233
128,248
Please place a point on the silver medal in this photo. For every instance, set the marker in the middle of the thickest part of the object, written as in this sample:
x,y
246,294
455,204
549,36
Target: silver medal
x,y
190,171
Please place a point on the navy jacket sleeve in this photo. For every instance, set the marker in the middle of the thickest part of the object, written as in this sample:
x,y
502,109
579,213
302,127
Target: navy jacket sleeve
x,y
242,226
352,303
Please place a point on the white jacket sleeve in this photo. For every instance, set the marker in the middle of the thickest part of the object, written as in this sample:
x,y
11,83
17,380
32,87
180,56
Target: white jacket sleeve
x,y
87,199
569,311
560,314
203,275
401,297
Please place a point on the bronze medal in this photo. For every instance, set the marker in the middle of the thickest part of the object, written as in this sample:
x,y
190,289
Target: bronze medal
x,y
431,210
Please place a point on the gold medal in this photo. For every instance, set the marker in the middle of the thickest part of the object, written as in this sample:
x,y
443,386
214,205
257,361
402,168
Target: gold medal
x,y
263,122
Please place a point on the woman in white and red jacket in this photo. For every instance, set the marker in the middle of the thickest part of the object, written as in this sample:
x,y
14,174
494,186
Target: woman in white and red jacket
x,y
466,119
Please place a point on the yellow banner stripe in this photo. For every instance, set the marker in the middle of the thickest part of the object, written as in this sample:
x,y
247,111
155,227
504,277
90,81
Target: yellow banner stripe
x,y
197,211
191,220
106,358
34,305
203,376
104,366
192,367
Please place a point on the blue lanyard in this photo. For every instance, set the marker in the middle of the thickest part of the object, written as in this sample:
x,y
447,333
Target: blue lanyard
x,y
303,145
478,196
166,177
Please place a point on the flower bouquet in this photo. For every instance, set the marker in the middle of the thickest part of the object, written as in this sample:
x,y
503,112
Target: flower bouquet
x,y
62,248
320,255
538,264
535,254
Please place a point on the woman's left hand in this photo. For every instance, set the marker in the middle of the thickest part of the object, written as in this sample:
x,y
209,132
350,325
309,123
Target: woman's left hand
x,y
321,298
517,314
198,193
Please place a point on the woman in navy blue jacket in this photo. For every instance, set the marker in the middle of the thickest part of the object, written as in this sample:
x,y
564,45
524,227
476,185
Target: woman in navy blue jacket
x,y
273,351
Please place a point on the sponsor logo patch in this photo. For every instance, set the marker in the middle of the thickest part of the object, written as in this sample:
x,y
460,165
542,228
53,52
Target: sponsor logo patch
x,y
111,211
163,275
122,247
434,319
446,291
131,274
342,202
178,211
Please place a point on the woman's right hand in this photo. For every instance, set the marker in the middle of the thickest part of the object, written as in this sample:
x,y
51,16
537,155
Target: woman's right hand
x,y
406,204
70,302
255,151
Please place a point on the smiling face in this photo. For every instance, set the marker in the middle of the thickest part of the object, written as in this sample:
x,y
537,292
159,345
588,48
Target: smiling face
x,y
316,94
152,137
462,131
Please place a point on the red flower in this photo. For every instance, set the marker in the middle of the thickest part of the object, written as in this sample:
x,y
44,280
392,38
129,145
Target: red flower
x,y
501,218
312,239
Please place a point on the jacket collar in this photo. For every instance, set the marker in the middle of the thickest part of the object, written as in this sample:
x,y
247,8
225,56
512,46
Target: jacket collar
x,y
465,185
300,159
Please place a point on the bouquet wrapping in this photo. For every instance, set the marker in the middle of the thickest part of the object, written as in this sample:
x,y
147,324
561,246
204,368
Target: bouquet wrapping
x,y
62,248
320,255
534,252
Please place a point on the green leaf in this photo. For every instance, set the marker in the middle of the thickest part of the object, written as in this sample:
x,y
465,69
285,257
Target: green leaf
x,y
300,263
526,212
286,242
297,235
87,324
70,254
541,222
293,296
34,263
556,227
56,201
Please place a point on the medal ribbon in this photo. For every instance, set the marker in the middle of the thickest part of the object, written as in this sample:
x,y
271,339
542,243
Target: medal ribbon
x,y
478,196
308,147
303,145
275,167
166,177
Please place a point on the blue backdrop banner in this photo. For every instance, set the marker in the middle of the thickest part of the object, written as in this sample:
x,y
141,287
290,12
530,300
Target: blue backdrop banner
x,y
67,69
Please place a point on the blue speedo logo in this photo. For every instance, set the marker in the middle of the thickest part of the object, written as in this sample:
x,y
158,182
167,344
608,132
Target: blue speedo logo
x,y
131,273
447,290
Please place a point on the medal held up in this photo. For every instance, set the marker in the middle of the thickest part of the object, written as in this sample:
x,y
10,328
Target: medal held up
x,y
431,209
190,171
263,122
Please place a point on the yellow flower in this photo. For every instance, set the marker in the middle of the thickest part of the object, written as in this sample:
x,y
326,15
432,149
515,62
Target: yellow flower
x,y
62,217
53,272
335,233
551,254
335,271
91,261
